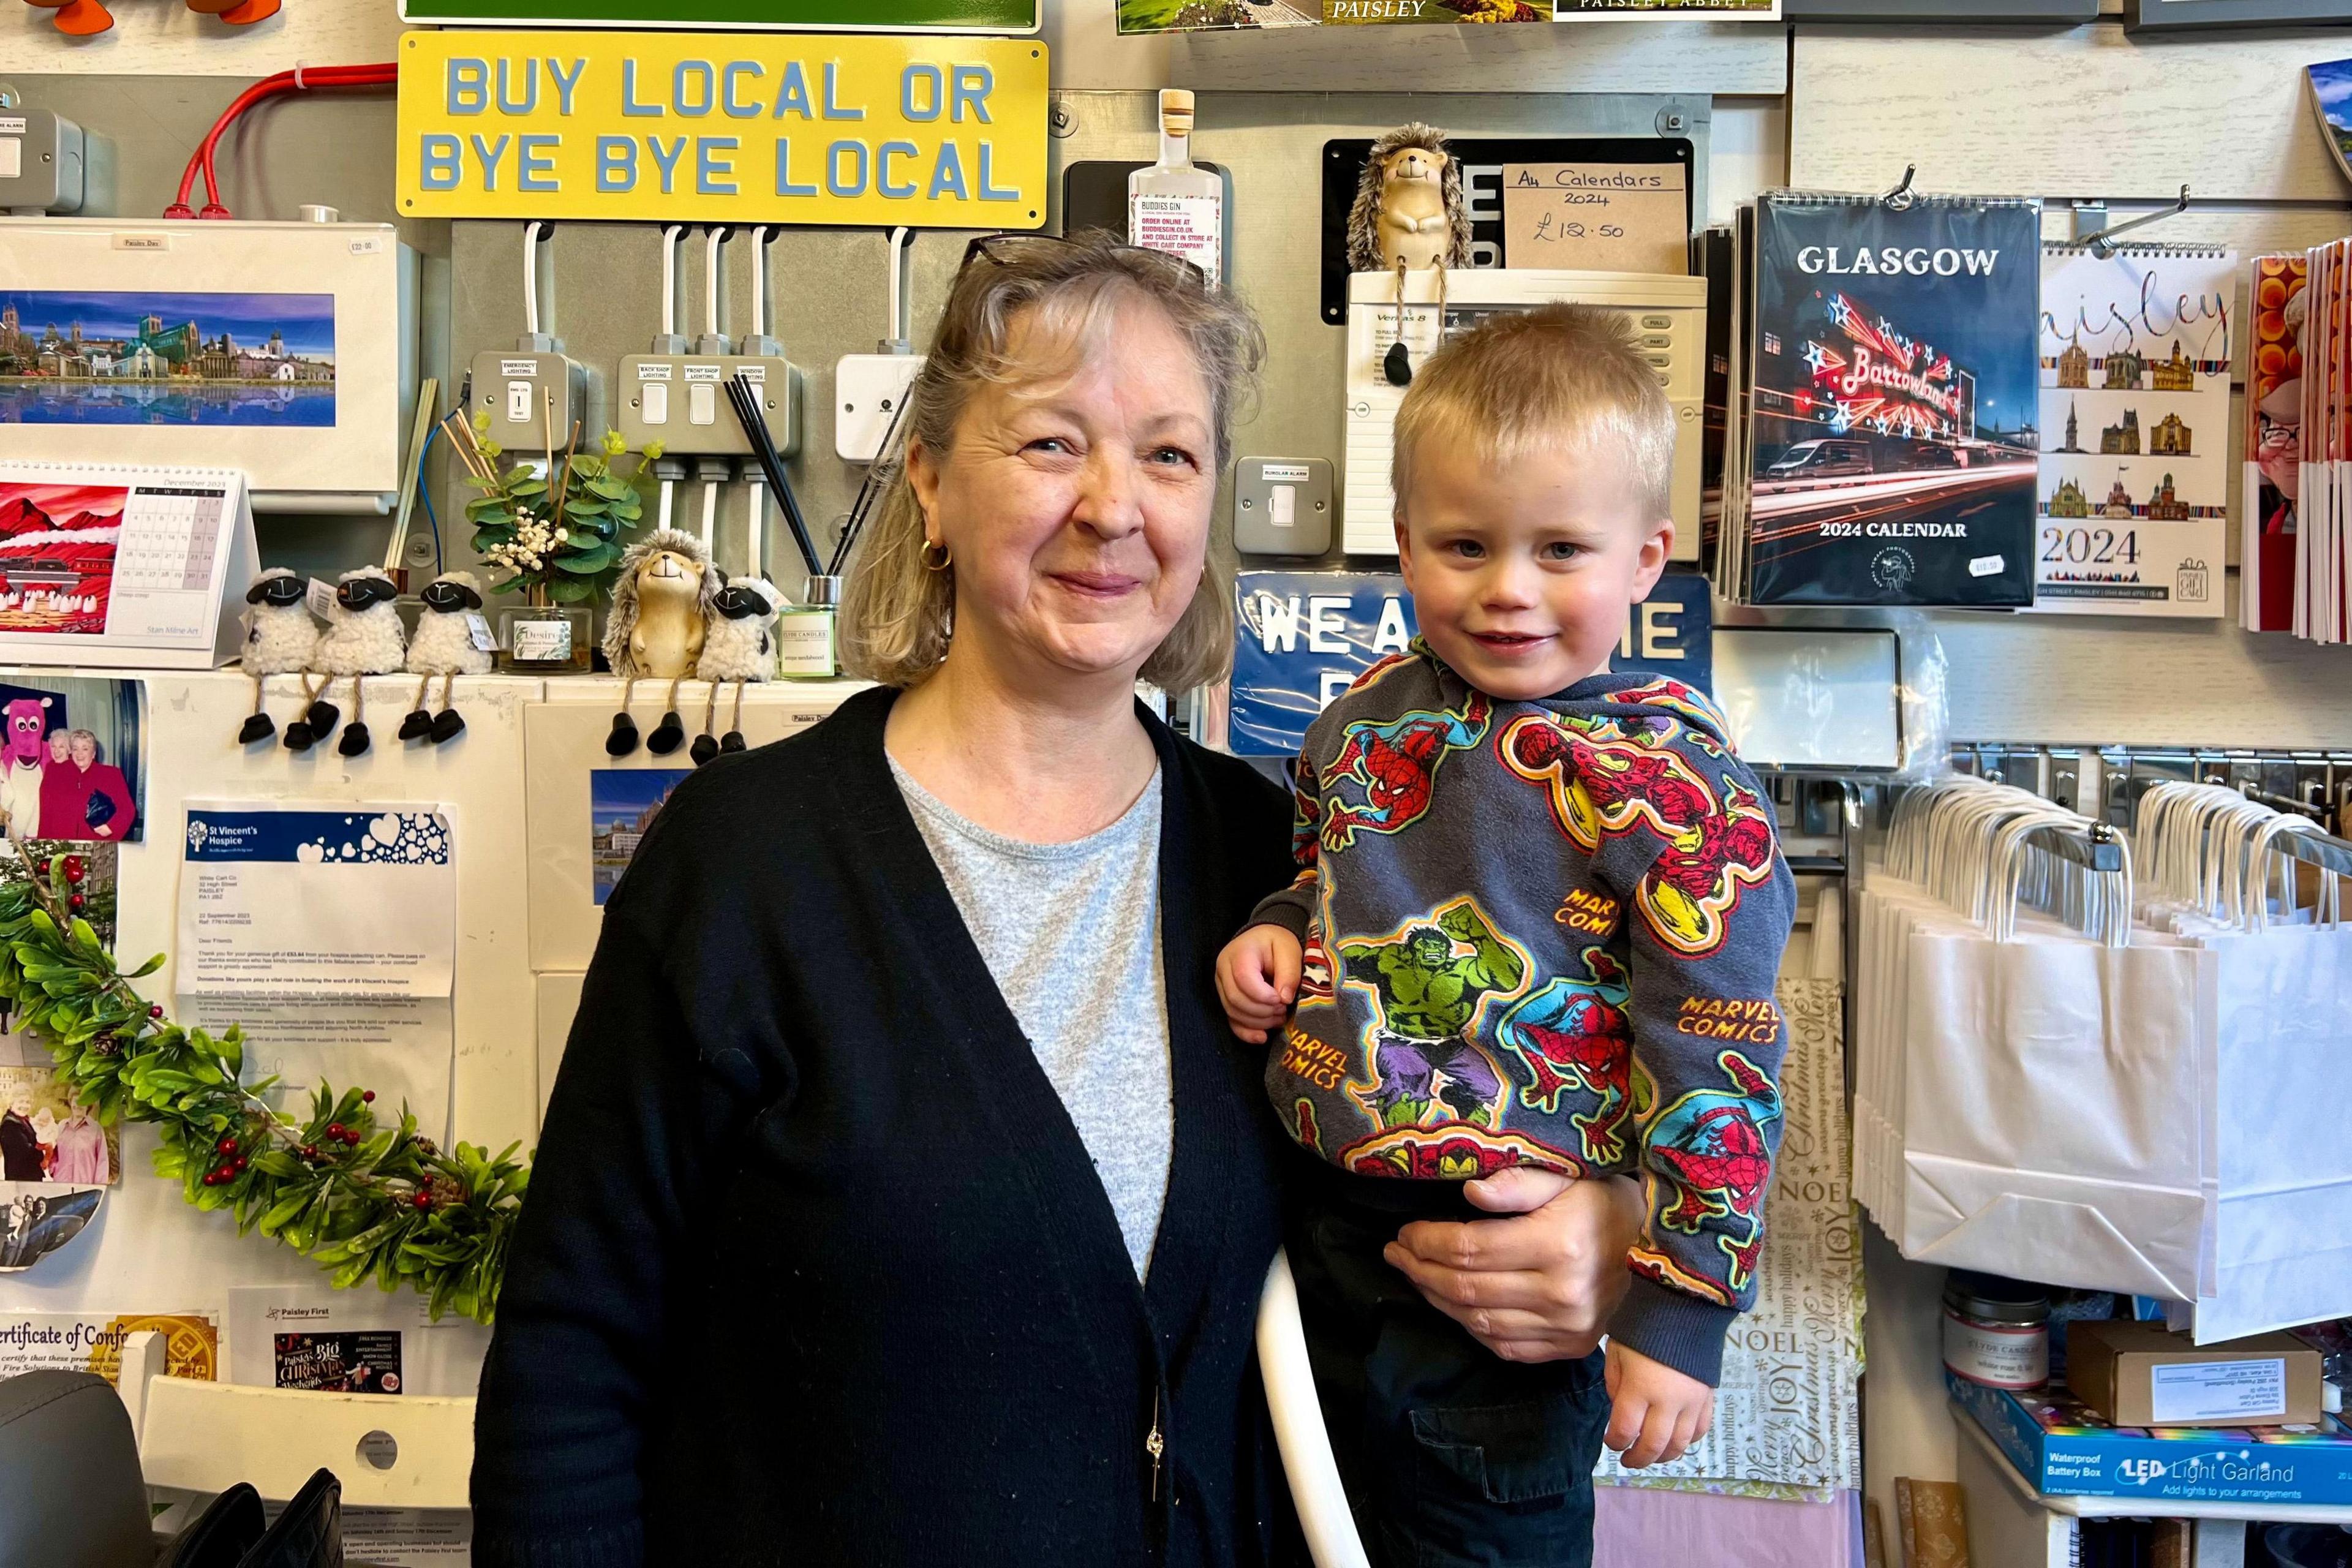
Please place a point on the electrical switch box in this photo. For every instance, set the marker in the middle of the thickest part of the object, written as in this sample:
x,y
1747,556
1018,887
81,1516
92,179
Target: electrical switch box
x,y
532,396
1282,506
41,161
868,390
680,400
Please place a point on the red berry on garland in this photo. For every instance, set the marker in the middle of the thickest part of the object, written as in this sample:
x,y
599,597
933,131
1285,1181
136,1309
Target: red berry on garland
x,y
226,1146
75,869
76,902
236,1167
335,1131
209,1181
367,1097
308,1151
423,1201
155,1009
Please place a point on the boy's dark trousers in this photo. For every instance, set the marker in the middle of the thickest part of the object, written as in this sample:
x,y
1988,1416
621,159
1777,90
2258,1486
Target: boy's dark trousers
x,y
1452,1457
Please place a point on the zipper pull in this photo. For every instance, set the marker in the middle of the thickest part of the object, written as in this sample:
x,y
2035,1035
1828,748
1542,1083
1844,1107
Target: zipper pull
x,y
1155,1446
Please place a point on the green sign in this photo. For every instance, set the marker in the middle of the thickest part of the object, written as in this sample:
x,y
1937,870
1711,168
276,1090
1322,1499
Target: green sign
x,y
798,16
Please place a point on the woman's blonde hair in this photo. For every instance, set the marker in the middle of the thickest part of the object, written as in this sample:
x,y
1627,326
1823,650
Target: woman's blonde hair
x,y
896,615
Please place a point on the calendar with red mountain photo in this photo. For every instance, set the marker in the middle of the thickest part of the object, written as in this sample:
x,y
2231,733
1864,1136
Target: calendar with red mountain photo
x,y
57,555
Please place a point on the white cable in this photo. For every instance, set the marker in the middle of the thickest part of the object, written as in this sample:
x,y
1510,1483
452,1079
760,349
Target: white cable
x,y
531,277
671,234
756,531
714,234
662,514
709,512
899,307
760,237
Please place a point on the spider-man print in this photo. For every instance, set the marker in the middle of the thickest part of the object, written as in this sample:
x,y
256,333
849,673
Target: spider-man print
x,y
1602,783
1711,1146
1573,1035
1393,765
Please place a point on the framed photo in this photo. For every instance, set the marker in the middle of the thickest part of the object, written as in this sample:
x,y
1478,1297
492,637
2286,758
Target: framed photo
x,y
2164,16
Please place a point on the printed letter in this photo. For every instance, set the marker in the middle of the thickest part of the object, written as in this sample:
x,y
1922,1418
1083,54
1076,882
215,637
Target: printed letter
x,y
895,191
833,108
616,163
989,192
947,175
792,94
468,86
835,181
714,176
438,163
535,163
691,88
489,156
733,105
564,84
924,107
629,104
972,85
784,186
668,167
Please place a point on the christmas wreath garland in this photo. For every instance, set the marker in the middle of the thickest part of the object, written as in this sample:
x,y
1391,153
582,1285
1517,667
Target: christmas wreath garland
x,y
366,1200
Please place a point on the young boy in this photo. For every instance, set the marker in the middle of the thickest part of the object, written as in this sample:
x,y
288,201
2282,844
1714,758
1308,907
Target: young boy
x,y
1539,915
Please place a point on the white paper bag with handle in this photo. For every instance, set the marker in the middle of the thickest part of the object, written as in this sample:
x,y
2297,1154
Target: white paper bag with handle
x,y
2280,1219
2052,1088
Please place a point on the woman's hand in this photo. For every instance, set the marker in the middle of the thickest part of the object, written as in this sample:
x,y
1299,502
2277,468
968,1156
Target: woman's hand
x,y
1539,1287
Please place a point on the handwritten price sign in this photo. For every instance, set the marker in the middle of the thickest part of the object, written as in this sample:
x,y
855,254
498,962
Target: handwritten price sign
x,y
1602,218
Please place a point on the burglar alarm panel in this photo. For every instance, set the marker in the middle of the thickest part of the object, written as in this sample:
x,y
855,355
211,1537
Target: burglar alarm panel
x,y
533,397
680,400
1668,316
286,350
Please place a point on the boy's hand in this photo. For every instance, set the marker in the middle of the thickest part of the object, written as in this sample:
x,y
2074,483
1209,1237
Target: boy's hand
x,y
1257,979
1654,1411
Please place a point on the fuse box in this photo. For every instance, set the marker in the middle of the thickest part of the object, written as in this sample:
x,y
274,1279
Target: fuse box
x,y
680,400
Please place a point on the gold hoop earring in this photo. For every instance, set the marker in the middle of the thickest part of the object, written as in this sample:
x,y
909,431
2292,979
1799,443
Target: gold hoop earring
x,y
944,559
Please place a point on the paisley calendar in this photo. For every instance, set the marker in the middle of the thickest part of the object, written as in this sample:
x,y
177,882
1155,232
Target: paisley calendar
x,y
2133,504
116,564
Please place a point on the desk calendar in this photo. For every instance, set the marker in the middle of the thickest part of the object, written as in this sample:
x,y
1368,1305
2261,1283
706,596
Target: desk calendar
x,y
111,564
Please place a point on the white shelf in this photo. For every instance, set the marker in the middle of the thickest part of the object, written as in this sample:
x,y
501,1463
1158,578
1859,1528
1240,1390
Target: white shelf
x,y
2143,1507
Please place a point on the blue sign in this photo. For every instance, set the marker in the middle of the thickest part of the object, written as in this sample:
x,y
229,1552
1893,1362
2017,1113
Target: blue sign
x,y
1305,636
389,836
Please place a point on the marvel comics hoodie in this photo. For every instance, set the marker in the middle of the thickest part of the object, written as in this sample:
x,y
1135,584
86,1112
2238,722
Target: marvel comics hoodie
x,y
1544,932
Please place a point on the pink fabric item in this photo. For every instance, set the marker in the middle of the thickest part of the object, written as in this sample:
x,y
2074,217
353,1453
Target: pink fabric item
x,y
1641,1527
80,1152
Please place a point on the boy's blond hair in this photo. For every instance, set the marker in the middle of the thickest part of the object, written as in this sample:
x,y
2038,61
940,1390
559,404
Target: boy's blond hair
x,y
1557,375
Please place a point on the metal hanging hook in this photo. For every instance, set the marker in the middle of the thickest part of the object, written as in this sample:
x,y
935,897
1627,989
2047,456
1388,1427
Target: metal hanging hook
x,y
2103,242
1901,196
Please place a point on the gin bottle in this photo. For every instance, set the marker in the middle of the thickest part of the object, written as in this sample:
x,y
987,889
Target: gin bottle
x,y
1173,206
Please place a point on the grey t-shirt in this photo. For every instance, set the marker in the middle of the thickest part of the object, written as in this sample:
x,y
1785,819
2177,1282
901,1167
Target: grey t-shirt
x,y
1071,933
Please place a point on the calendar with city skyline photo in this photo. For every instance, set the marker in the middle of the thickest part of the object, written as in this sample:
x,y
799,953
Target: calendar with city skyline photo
x,y
87,357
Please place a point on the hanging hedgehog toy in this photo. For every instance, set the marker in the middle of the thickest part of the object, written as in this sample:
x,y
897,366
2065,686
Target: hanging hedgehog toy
x,y
1410,214
444,645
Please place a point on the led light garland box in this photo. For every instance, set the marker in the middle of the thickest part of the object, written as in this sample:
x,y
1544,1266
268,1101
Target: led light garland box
x,y
2063,1450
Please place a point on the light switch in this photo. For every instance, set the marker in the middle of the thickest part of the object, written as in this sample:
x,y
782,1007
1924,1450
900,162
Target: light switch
x,y
1282,506
518,410
702,403
655,394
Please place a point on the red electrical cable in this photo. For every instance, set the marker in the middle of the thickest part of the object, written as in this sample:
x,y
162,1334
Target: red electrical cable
x,y
302,78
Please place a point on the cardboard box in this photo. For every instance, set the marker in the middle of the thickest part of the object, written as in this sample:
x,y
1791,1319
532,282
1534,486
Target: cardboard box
x,y
2139,1374
2064,1450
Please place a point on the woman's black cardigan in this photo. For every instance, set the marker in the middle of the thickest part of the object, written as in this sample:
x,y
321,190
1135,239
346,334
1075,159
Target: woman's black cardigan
x,y
814,1267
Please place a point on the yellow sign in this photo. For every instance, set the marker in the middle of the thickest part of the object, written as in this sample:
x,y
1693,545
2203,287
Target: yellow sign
x,y
724,128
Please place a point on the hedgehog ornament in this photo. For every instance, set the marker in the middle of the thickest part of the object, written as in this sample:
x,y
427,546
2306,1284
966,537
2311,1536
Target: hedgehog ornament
x,y
738,644
280,638
363,637
1409,215
444,645
656,631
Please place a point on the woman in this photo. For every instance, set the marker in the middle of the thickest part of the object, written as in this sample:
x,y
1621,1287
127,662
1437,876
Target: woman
x,y
903,1198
